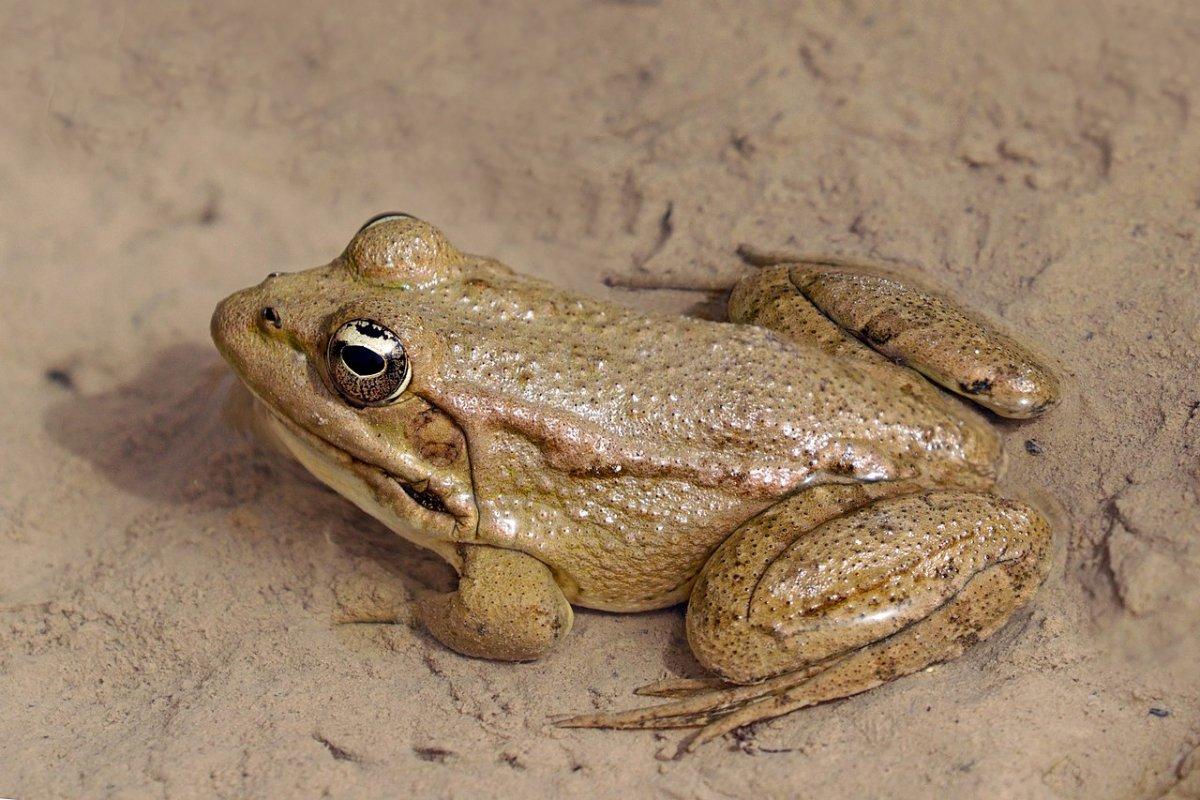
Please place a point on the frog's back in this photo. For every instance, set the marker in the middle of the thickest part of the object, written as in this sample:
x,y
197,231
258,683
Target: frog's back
x,y
722,402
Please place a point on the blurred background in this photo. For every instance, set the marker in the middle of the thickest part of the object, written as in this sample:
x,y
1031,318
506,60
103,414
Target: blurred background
x,y
170,594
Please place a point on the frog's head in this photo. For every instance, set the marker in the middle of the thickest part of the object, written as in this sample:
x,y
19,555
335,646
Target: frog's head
x,y
342,365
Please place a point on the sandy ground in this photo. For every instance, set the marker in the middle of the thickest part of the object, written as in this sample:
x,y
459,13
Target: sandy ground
x,y
170,595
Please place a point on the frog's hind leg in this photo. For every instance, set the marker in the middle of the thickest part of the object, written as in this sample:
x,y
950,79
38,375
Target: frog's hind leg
x,y
769,299
899,319
791,619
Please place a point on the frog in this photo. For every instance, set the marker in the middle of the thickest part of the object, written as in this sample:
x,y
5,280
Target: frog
x,y
814,477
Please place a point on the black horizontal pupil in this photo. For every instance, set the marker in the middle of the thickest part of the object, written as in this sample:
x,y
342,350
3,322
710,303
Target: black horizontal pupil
x,y
362,361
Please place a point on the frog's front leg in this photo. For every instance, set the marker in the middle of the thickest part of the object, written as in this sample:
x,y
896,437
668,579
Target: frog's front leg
x,y
792,616
507,607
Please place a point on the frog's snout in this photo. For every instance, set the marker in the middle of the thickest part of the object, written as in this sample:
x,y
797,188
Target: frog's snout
x,y
242,318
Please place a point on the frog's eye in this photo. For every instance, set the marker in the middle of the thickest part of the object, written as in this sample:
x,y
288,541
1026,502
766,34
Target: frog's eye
x,y
367,363
384,217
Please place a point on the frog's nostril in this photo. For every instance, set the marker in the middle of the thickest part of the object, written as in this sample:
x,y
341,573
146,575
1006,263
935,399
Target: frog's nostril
x,y
272,316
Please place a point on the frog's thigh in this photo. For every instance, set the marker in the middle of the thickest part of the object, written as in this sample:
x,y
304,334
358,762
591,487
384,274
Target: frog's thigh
x,y
875,593
769,299
933,335
819,300
507,607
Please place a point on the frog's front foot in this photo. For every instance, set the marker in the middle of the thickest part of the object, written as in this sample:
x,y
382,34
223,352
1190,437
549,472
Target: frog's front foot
x,y
792,617
507,607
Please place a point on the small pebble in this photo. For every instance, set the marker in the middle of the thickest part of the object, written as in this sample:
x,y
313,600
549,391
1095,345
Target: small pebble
x,y
1033,447
1159,712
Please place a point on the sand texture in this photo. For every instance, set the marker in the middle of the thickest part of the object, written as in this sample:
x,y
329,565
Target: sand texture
x,y
172,595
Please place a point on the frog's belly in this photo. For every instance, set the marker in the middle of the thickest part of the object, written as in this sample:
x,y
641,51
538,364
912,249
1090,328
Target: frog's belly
x,y
654,569
626,585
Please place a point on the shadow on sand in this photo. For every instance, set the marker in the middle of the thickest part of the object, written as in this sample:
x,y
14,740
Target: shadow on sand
x,y
176,435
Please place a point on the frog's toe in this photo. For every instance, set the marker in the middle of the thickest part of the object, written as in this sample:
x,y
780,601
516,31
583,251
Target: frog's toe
x,y
680,687
699,702
695,710
649,718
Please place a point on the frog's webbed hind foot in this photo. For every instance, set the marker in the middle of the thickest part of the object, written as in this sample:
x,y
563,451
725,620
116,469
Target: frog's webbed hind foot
x,y
698,703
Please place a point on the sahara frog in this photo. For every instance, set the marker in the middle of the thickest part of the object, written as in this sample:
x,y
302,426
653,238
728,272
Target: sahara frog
x,y
827,514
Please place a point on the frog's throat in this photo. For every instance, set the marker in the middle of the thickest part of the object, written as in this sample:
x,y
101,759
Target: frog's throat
x,y
357,481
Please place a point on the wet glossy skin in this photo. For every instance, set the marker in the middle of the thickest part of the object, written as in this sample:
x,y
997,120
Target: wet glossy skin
x,y
559,450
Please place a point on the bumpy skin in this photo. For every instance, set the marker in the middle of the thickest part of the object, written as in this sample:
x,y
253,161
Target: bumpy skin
x,y
507,607
910,324
774,597
825,503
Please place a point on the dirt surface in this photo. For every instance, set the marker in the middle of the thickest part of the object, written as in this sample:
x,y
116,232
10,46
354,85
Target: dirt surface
x,y
170,594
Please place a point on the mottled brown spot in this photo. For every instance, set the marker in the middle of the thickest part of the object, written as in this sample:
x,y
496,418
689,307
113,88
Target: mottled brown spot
x,y
435,436
981,386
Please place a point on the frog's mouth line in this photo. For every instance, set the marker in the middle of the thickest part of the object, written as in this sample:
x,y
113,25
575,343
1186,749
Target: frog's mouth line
x,y
330,464
426,499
